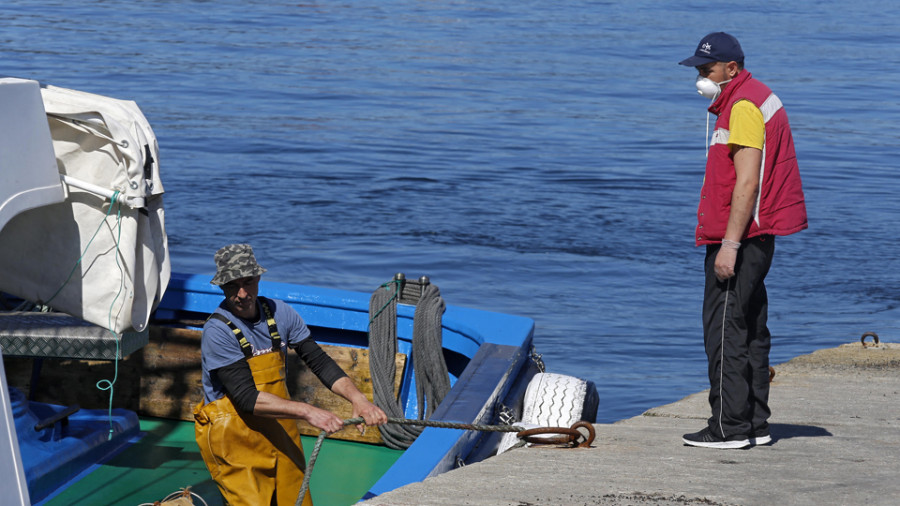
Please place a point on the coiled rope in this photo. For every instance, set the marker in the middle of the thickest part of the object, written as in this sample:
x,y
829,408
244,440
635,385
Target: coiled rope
x,y
432,378
401,422
430,369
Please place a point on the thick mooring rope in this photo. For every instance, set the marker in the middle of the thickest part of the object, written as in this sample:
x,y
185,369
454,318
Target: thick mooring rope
x,y
383,369
430,369
432,378
402,422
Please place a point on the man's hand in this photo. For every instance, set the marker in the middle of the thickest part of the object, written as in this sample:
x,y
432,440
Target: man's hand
x,y
725,261
372,414
273,406
323,420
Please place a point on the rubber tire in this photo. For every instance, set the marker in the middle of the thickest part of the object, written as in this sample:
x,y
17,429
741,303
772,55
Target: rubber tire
x,y
555,400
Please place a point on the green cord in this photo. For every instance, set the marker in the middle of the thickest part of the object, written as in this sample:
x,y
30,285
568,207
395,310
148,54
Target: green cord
x,y
102,384
83,253
394,296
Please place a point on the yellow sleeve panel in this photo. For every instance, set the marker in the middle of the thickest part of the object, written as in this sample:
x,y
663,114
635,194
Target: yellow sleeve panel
x,y
746,126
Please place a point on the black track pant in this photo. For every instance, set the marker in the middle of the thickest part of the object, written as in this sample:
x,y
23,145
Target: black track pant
x,y
737,340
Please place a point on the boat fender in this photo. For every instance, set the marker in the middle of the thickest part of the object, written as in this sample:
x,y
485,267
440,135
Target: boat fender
x,y
554,400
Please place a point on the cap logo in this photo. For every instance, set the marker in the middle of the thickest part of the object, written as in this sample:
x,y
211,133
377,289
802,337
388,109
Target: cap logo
x,y
706,47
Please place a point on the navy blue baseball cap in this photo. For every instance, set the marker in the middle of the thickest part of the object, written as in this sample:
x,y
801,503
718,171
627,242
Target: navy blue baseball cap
x,y
717,46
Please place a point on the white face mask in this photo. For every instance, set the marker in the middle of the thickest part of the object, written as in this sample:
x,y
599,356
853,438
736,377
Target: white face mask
x,y
709,88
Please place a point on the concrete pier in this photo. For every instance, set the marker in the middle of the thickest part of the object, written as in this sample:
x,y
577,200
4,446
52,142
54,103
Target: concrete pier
x,y
836,441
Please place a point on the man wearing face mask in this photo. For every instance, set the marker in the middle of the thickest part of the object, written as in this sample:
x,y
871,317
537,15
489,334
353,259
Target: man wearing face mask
x,y
751,193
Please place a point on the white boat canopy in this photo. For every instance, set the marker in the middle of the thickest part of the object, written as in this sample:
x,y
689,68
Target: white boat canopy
x,y
101,253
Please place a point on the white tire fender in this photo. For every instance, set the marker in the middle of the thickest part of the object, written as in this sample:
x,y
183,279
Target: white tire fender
x,y
554,400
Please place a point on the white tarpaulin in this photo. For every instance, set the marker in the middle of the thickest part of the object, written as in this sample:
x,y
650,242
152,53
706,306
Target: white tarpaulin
x,y
105,261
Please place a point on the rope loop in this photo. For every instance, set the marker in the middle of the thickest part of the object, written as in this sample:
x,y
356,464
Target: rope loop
x,y
395,421
432,378
572,434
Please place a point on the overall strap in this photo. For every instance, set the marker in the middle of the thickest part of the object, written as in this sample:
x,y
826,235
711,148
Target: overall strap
x,y
245,345
270,321
246,348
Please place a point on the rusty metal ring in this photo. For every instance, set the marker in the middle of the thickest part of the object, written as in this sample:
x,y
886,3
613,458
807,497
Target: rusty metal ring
x,y
566,435
867,334
590,435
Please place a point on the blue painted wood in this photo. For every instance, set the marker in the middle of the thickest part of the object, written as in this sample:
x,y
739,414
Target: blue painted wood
x,y
464,329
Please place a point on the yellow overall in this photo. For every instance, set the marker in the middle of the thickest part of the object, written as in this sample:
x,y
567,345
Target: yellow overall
x,y
255,460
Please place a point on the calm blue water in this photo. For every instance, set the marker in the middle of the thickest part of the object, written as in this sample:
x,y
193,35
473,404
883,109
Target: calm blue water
x,y
536,158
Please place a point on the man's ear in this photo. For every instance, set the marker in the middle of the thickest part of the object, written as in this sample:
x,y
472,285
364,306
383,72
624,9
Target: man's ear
x,y
733,69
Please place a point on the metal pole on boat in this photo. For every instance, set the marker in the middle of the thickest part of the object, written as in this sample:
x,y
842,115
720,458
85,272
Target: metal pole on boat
x,y
132,202
12,472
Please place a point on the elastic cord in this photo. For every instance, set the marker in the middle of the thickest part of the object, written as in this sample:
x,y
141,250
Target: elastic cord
x,y
106,384
706,146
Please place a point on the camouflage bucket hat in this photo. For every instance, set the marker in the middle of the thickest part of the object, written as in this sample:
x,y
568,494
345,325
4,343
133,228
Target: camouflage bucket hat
x,y
235,261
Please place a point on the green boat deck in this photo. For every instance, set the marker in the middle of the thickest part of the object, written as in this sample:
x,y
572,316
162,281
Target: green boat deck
x,y
166,459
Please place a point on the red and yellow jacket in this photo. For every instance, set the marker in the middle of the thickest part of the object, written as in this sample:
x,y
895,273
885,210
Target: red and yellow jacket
x,y
780,207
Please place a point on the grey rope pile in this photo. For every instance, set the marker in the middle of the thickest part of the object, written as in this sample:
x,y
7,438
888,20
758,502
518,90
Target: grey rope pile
x,y
431,376
396,421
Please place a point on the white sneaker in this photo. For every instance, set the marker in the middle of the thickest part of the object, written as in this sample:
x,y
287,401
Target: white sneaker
x,y
763,439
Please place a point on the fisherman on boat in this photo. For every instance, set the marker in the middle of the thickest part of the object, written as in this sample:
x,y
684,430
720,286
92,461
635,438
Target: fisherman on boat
x,y
246,425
